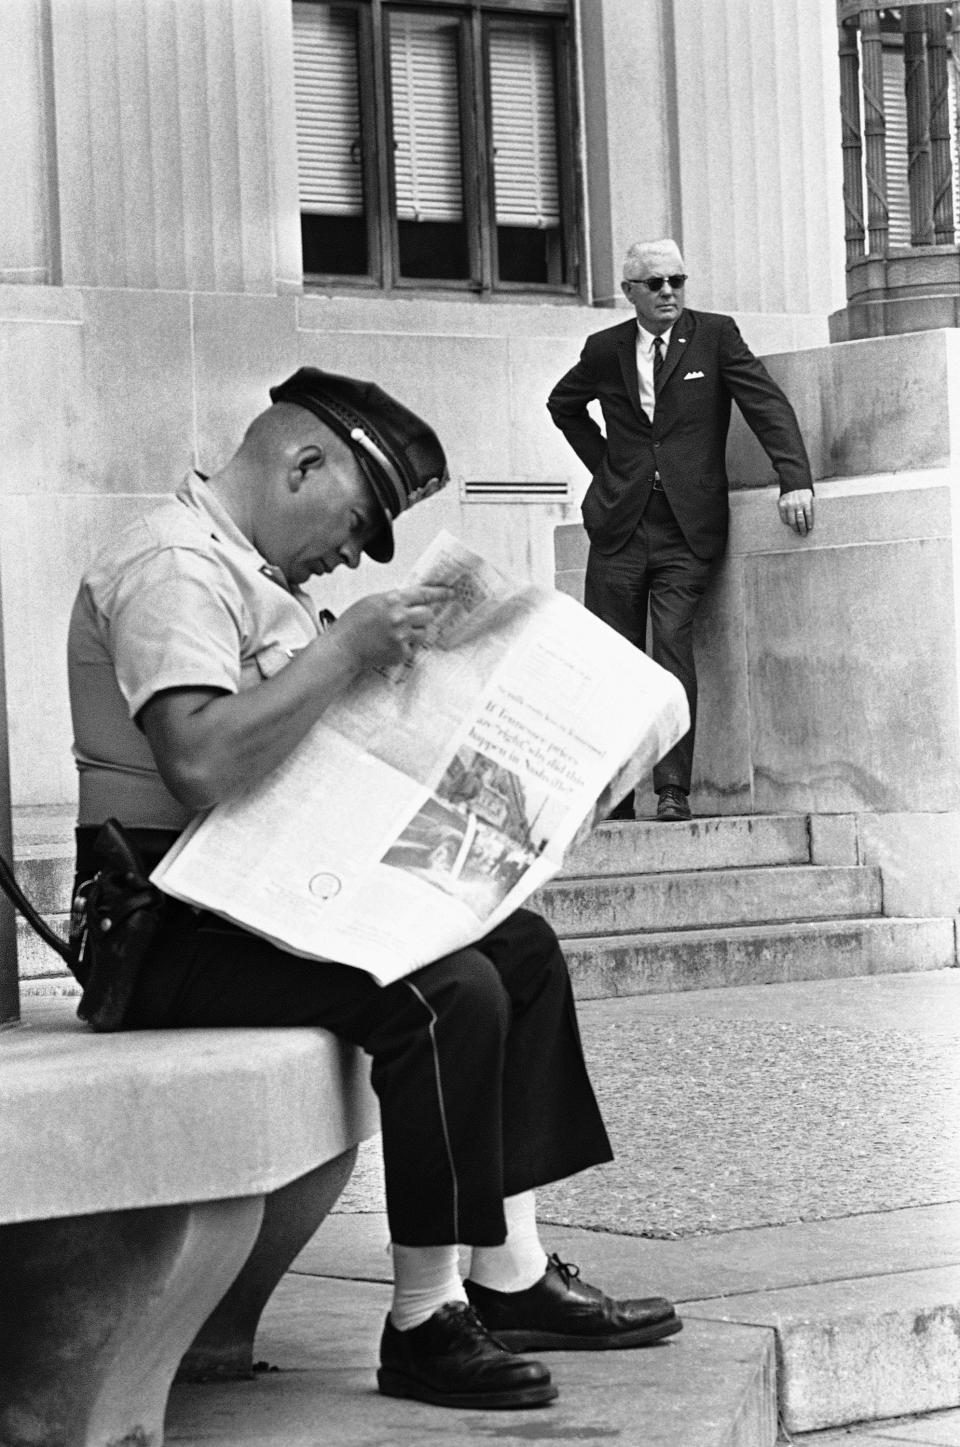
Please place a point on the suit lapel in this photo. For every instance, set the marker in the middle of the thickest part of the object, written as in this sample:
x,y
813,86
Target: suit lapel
x,y
627,353
680,339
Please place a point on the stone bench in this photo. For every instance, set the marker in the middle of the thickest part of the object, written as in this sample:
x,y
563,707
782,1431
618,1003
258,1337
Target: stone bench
x,y
154,1187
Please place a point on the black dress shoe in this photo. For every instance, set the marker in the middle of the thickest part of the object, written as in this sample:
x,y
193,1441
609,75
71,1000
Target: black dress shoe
x,y
560,1313
672,803
451,1360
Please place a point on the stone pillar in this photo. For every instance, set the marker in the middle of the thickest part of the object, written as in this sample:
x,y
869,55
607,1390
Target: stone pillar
x,y
223,1348
9,987
176,148
630,122
27,186
760,155
97,1311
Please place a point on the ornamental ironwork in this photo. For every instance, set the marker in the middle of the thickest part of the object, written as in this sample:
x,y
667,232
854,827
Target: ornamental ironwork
x,y
900,125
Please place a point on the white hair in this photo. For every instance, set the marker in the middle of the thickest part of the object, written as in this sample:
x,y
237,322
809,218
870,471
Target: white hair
x,y
639,251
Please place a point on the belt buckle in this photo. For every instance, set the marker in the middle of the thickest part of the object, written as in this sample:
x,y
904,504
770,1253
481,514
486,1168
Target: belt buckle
x,y
657,483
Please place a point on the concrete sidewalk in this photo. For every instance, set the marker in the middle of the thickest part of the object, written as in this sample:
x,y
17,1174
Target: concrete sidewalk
x,y
788,1169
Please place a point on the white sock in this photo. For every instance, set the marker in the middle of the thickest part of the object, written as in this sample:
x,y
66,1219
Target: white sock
x,y
521,1260
424,1278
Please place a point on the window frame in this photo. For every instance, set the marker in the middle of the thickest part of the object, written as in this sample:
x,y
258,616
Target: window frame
x,y
562,56
477,156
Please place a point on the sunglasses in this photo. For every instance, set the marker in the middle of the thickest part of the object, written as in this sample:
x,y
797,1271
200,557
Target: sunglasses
x,y
655,283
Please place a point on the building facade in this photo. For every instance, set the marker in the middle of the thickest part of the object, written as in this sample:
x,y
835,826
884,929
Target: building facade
x,y
152,257
202,195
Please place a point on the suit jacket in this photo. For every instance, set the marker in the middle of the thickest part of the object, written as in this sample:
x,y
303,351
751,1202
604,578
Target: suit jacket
x,y
707,365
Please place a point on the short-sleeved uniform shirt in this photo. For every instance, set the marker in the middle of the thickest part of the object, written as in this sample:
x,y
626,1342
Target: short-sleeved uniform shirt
x,y
180,599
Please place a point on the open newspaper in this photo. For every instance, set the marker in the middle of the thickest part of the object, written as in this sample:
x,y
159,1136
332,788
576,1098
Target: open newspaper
x,y
433,797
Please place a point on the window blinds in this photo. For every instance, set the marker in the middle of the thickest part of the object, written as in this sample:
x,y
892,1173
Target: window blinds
x,y
523,104
425,98
424,83
896,149
327,91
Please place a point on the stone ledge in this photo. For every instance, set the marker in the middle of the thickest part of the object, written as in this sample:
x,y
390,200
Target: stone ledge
x,y
157,1184
151,1118
851,512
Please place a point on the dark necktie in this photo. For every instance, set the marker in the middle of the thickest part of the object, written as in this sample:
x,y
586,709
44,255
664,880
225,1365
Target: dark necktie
x,y
657,362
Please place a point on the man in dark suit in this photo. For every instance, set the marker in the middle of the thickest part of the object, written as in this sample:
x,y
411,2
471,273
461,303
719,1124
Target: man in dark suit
x,y
656,511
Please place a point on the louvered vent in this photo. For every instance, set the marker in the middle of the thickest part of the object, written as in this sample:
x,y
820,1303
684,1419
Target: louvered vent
x,y
548,490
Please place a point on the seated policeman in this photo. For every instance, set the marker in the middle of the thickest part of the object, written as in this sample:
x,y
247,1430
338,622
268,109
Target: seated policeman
x,y
197,663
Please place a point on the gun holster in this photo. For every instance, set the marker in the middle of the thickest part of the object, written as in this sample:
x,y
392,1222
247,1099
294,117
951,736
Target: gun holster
x,y
115,919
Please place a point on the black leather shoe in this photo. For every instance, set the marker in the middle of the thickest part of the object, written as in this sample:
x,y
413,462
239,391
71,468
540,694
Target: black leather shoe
x,y
560,1313
673,803
452,1360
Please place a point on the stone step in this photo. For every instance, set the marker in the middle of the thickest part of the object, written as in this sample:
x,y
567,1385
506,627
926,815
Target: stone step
x,y
42,971
606,966
737,841
713,1385
708,899
46,878
45,861
862,1311
856,1350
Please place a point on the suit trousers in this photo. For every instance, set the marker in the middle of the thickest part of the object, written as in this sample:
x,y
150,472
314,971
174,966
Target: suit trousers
x,y
657,573
476,1059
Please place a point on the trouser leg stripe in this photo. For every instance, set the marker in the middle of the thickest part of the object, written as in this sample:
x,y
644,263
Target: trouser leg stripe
x,y
441,1107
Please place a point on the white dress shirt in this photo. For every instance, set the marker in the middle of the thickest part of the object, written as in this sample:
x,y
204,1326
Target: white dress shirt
x,y
645,341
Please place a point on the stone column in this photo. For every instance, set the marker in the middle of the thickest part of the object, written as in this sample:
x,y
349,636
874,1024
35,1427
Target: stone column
x,y
27,187
760,155
176,145
629,105
717,122
9,987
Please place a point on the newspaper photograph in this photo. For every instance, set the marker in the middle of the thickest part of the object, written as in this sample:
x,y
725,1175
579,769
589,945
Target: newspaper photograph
x,y
435,796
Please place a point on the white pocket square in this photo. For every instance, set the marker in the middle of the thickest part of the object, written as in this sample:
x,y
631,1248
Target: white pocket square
x,y
692,376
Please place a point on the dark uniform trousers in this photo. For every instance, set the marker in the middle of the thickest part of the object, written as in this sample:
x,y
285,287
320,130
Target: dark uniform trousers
x,y
476,1059
657,573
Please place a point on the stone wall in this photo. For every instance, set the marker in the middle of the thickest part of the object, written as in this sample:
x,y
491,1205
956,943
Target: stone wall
x,y
118,391
147,301
828,665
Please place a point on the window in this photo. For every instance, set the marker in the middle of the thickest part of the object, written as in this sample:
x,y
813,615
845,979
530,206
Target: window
x,y
435,143
896,144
